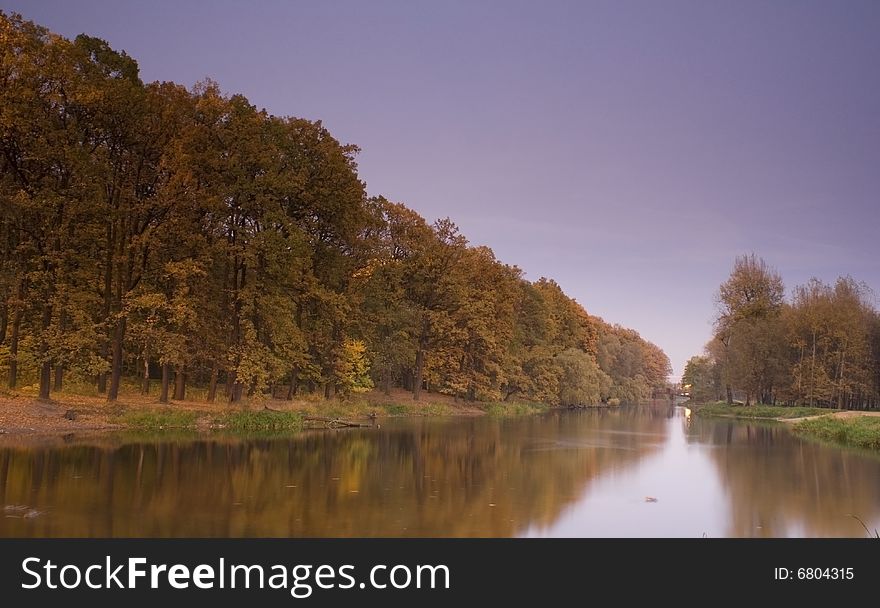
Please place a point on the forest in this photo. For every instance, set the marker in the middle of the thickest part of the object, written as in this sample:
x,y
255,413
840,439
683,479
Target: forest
x,y
819,348
154,232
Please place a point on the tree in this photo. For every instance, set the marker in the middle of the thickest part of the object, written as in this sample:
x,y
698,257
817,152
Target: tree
x,y
699,378
430,286
819,349
581,382
753,294
147,225
389,320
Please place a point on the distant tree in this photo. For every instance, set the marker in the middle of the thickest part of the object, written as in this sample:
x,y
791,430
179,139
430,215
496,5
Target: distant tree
x,y
699,378
754,293
819,349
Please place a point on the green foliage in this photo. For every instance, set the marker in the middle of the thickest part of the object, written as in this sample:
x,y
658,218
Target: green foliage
x,y
581,381
413,409
260,421
724,410
700,379
507,409
636,367
858,431
397,409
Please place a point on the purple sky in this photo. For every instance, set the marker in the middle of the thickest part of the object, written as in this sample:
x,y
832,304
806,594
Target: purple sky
x,y
628,150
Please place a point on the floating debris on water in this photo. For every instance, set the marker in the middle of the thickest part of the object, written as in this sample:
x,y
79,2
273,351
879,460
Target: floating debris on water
x,y
21,512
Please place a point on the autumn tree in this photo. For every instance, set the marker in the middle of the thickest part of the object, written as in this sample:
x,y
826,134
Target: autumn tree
x,y
749,302
700,379
581,380
818,349
145,226
430,286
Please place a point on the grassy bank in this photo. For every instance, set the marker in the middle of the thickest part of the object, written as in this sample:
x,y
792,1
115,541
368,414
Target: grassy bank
x,y
260,422
767,412
74,411
855,431
158,420
505,409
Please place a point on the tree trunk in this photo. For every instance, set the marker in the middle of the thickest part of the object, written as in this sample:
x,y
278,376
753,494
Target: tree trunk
x,y
212,385
236,392
813,369
108,299
13,346
116,363
800,375
386,382
293,386
729,395
179,383
145,381
101,380
46,364
45,379
4,321
327,387
417,373
166,382
230,381
58,385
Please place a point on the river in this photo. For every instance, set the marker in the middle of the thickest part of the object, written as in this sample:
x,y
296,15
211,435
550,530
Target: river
x,y
631,471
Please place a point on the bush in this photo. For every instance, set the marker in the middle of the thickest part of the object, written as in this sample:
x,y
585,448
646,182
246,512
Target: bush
x,y
261,421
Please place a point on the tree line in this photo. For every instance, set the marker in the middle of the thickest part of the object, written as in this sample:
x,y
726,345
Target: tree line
x,y
149,230
821,347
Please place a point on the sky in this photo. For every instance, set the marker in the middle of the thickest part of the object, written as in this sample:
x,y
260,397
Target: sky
x,y
629,150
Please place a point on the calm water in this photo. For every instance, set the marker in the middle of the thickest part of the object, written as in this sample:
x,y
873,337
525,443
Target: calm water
x,y
564,474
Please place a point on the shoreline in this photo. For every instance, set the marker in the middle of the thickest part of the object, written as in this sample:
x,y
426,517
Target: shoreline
x,y
769,413
840,428
23,415
72,413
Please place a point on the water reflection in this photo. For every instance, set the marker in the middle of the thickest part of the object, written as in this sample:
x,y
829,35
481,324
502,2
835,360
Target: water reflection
x,y
780,486
563,474
470,477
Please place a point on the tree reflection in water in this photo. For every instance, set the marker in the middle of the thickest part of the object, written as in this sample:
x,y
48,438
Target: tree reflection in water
x,y
441,477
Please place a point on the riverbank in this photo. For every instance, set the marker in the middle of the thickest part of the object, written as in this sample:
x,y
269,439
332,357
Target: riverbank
x,y
758,412
22,414
849,429
844,428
